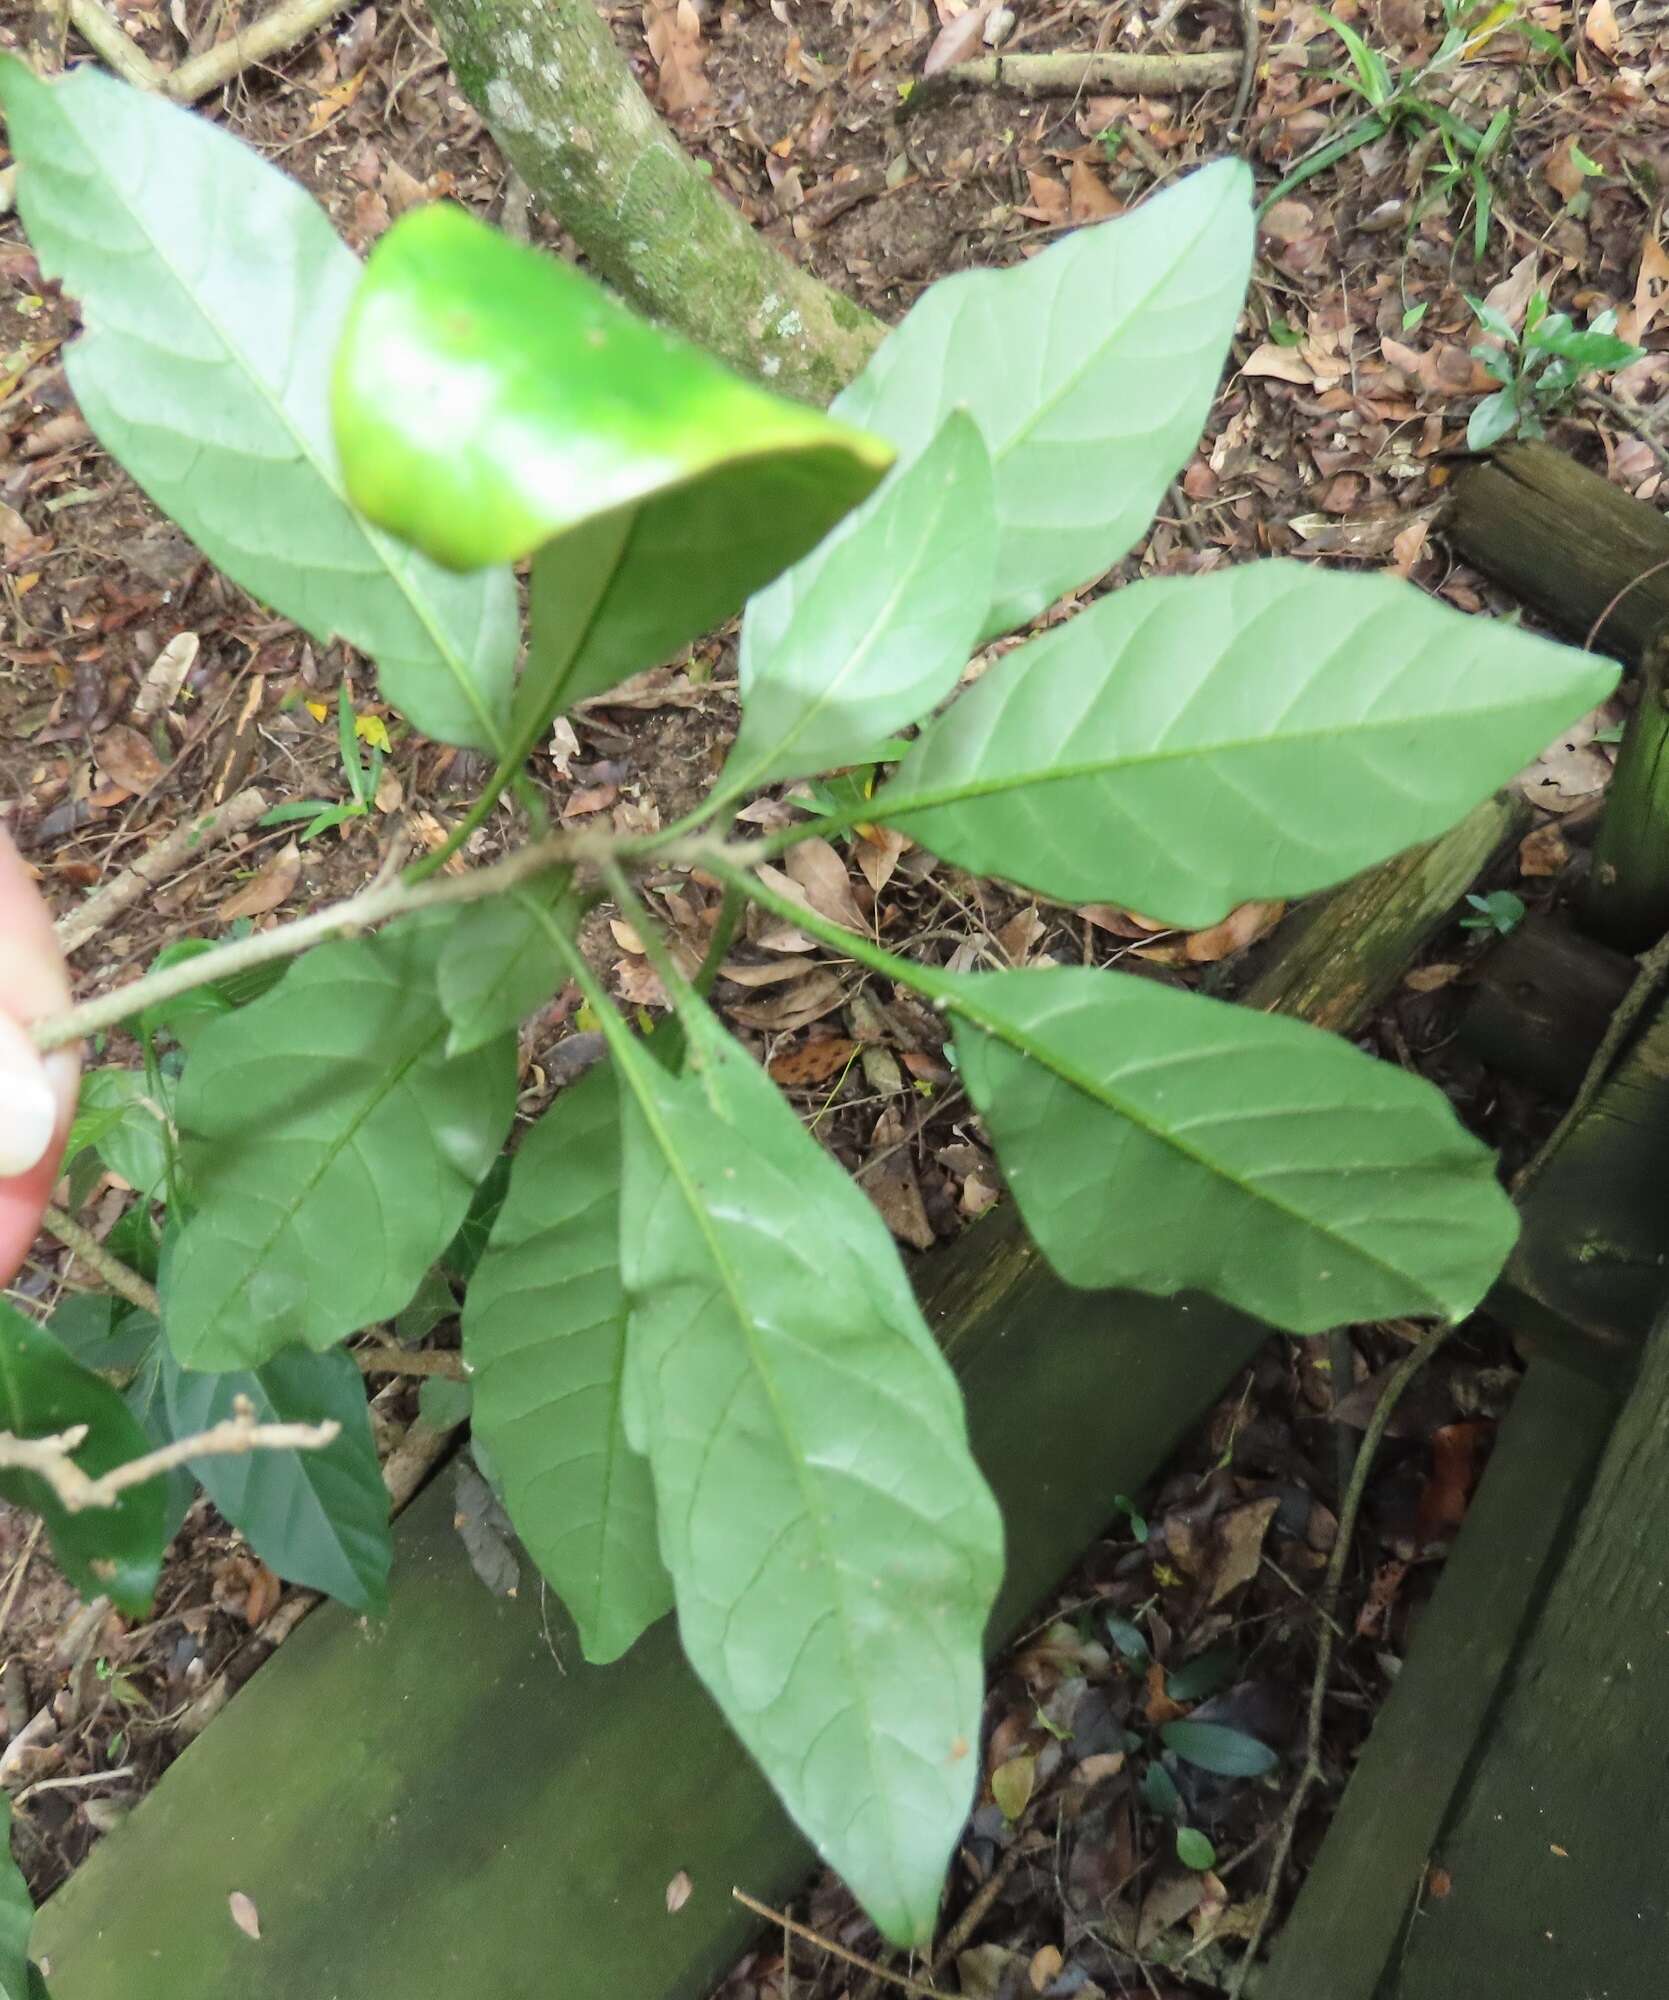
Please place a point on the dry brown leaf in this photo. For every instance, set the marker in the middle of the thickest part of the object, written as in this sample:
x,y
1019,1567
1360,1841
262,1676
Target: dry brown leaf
x,y
821,874
1409,545
877,851
266,888
805,1001
165,676
1050,202
1287,221
1455,1454
625,935
1651,291
1543,852
1045,1966
1243,925
959,39
334,101
127,759
592,798
812,1062
1572,769
892,1184
1019,936
1239,1546
1089,199
1512,295
638,983
1600,27
672,28
1279,364
244,1914
1561,172
761,975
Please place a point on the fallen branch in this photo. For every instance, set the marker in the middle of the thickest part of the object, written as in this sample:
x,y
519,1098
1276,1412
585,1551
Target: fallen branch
x,y
1060,73
82,1243
382,1357
187,841
49,1458
107,41
198,75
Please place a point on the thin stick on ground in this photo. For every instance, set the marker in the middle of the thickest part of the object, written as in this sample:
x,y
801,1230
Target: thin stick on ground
x,y
383,1357
50,1458
196,77
1248,68
83,1244
1060,74
187,841
106,40
1311,1773
796,1929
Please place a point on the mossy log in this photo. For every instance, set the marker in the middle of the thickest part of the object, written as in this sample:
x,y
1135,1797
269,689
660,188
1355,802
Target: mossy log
x,y
1589,558
569,116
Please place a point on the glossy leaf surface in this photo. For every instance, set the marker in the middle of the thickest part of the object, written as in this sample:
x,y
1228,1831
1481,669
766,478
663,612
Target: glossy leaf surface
x,y
17,1915
215,292
114,1550
318,1518
1160,1139
545,1336
874,631
833,1546
327,1117
490,400
1190,743
1089,370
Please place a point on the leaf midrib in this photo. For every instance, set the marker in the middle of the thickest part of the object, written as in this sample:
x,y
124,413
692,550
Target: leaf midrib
x,y
453,661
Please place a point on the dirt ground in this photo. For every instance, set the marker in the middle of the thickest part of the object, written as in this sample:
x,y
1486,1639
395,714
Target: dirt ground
x,y
1333,438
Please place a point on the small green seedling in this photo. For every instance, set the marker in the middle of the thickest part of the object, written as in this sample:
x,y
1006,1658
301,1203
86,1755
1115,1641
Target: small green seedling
x,y
1500,911
1540,369
363,776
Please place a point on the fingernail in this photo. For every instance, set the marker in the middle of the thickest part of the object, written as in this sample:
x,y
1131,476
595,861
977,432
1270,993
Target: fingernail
x,y
28,1106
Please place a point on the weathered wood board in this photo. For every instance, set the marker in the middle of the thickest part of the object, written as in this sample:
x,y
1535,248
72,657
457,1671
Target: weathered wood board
x,y
436,1806
1357,1900
1558,1855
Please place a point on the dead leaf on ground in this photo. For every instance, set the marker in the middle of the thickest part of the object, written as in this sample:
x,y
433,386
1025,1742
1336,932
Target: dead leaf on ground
x,y
165,676
1089,199
1238,1546
1510,297
892,1186
1243,925
1019,937
266,888
638,983
812,1062
1158,1705
1045,1967
807,1000
1651,291
1373,1620
959,39
816,867
1560,170
1571,770
877,851
1279,364
672,29
1600,27
1543,852
127,759
1049,202
1012,1783
1455,1453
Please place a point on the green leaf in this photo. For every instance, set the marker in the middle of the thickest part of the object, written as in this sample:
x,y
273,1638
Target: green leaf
x,y
187,1013
1193,1850
1159,1792
146,1396
215,292
127,1116
1190,742
318,1518
1373,72
832,1544
545,1337
463,1254
874,630
1089,370
1203,1675
1491,420
498,963
332,1148
1588,350
17,1915
116,1550
443,1405
101,1332
1213,1746
1160,1139
490,399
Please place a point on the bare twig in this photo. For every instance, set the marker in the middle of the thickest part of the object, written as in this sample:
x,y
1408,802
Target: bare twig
x,y
270,36
124,1282
1061,73
1310,1775
382,1357
1248,68
106,40
49,1458
184,844
799,1930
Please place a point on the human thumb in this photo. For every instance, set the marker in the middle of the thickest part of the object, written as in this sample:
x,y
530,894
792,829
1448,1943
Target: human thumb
x,y
28,1102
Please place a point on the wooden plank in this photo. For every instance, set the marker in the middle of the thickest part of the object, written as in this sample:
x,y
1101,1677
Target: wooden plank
x,y
1540,1002
1354,1907
1558,1883
435,1805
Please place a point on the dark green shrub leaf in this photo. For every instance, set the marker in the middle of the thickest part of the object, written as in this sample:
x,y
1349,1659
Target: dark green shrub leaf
x,y
215,292
17,1914
116,1550
1193,1850
125,1117
332,1149
443,1405
186,1013
1230,1753
1160,1139
147,1398
491,400
316,1517
1089,370
499,963
1491,420
873,630
833,1546
1191,742
102,1332
545,1336
1203,1675
1159,1792
464,1252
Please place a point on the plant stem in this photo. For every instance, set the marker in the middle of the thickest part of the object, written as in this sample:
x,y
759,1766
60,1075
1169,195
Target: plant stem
x,y
1310,1775
724,934
82,1243
372,906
